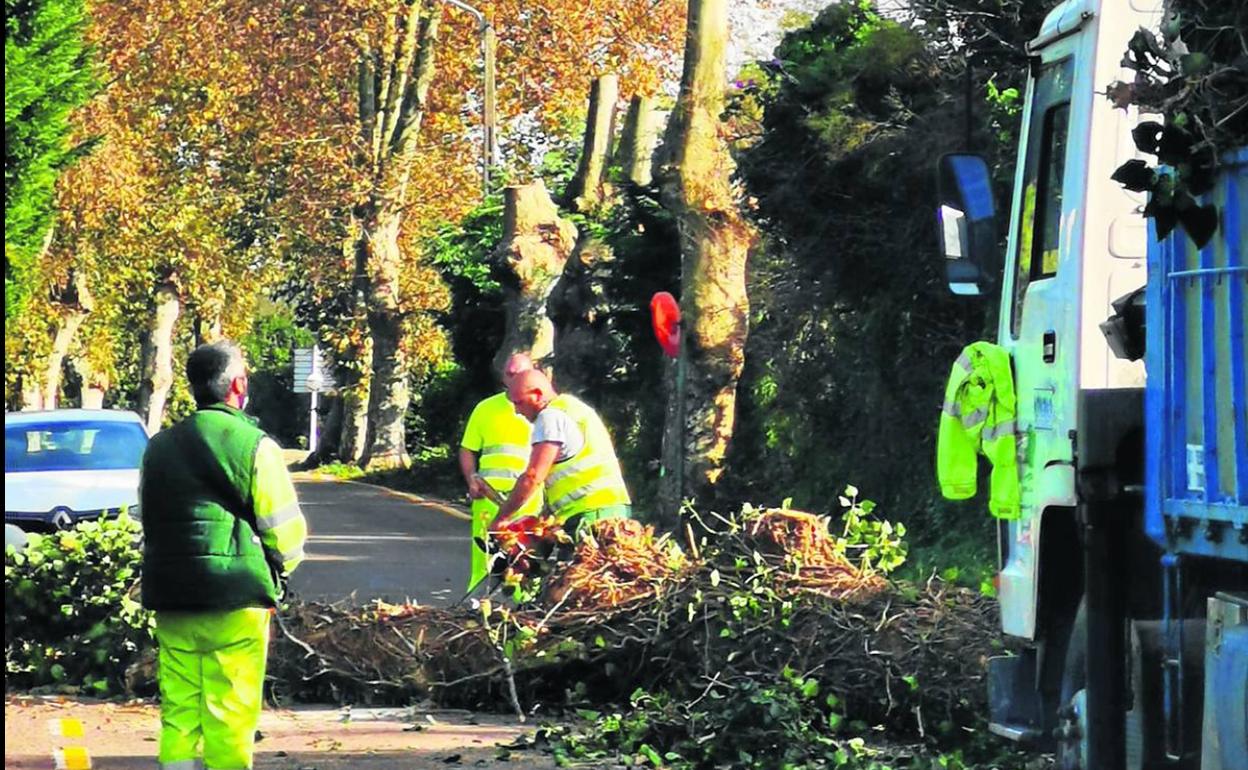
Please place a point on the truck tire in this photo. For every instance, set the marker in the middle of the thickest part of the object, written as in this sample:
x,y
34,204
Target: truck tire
x,y
1144,717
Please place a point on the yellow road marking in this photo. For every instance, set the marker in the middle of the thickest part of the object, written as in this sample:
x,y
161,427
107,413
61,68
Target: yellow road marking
x,y
72,758
66,728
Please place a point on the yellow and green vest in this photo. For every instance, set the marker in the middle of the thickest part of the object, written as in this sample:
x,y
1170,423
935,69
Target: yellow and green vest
x,y
202,528
500,437
591,480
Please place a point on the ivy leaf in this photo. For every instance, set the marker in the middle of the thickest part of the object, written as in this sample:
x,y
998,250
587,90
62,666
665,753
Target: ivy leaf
x,y
1195,64
1147,136
1171,26
1175,145
1200,223
1164,216
1135,175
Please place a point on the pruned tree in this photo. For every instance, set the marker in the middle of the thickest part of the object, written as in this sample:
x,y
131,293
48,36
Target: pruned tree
x,y
635,152
536,245
585,191
715,240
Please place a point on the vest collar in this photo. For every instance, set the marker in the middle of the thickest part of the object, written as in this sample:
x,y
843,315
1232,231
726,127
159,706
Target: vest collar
x,y
227,409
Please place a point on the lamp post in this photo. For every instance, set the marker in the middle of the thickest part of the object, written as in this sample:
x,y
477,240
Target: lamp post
x,y
488,117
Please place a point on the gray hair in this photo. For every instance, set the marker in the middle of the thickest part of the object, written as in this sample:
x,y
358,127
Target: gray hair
x,y
211,368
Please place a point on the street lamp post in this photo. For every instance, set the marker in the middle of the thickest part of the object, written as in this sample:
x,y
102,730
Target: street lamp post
x,y
488,117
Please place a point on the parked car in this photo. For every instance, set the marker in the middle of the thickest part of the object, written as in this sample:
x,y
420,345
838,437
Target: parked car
x,y
70,465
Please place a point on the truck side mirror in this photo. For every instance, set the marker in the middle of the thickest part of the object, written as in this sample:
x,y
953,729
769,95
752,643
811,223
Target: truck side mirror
x,y
967,220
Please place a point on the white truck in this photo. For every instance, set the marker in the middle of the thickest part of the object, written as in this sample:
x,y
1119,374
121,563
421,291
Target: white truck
x,y
1126,576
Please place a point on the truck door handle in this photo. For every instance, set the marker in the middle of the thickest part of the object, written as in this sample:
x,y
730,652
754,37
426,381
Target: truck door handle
x,y
1050,346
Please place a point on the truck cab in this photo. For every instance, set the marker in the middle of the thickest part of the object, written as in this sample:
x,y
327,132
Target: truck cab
x,y
1092,592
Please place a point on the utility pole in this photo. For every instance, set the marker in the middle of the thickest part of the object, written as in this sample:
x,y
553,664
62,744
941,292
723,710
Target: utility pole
x,y
489,139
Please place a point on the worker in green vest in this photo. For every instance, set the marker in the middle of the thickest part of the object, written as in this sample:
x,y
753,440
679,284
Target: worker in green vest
x,y
572,458
494,452
222,529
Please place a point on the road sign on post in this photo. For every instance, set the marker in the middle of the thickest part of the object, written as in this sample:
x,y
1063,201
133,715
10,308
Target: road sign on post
x,y
307,361
311,377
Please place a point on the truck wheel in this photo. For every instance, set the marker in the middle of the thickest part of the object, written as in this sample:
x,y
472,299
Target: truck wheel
x,y
1141,719
1071,729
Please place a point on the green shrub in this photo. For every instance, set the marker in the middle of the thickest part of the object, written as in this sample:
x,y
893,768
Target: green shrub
x,y
72,617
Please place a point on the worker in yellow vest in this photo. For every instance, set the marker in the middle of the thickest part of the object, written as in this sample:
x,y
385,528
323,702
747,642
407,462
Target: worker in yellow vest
x,y
494,451
572,458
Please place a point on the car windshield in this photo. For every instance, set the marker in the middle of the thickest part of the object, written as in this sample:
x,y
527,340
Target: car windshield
x,y
87,445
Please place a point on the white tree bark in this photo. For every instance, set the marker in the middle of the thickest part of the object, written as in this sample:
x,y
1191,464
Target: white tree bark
x,y
157,355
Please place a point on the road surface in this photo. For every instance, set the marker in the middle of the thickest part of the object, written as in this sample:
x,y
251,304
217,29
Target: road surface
x,y
379,544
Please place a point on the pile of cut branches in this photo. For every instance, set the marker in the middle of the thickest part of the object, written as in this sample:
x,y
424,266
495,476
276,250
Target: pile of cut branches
x,y
767,591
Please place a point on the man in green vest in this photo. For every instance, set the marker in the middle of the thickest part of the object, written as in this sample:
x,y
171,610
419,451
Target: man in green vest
x,y
222,529
572,458
494,452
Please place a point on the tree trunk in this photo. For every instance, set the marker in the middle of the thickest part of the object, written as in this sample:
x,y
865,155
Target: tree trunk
x,y
354,431
76,303
157,355
715,240
329,439
585,191
208,323
393,86
388,396
536,245
355,381
94,382
32,394
635,153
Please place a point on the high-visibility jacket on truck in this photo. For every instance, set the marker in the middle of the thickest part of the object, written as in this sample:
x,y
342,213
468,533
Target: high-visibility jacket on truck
x,y
500,438
978,417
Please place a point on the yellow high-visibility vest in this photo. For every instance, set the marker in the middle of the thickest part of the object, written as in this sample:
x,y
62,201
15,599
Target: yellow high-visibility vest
x,y
500,437
591,479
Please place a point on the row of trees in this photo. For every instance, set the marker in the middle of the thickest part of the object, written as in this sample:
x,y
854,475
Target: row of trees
x,y
325,154
245,149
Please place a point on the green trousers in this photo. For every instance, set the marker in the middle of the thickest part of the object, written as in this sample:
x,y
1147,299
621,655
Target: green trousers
x,y
211,686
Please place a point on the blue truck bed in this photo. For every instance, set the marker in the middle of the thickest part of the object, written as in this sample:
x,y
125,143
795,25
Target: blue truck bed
x,y
1196,401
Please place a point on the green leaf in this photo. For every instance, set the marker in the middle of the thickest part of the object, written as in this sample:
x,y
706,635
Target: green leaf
x,y
1195,64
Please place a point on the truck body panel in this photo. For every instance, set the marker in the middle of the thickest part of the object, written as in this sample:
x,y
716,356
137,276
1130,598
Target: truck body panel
x,y
1076,242
1197,444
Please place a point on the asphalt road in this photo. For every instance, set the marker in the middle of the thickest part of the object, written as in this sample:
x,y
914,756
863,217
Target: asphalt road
x,y
378,544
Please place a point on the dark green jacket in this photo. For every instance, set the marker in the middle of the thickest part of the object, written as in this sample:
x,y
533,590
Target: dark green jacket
x,y
201,549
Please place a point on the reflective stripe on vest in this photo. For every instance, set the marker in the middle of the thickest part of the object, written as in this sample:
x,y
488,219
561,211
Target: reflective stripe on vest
x,y
502,464
592,478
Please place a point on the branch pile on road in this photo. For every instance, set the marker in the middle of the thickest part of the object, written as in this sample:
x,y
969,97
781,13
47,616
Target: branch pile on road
x,y
769,594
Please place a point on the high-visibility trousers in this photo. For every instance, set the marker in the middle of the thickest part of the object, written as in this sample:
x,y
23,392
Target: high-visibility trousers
x,y
211,686
483,512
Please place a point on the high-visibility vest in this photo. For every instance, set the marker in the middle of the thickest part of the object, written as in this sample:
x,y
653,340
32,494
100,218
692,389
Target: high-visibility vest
x,y
500,437
978,417
591,479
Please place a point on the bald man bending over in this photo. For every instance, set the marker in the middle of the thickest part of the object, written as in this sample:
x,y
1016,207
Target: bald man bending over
x,y
572,458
